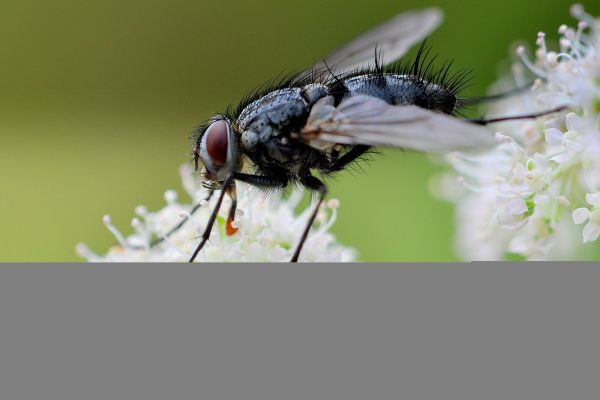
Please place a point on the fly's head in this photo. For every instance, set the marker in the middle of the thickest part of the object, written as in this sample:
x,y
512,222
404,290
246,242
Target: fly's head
x,y
216,145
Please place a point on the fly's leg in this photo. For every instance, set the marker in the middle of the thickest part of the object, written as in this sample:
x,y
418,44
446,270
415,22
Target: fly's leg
x,y
262,181
212,218
256,180
494,97
178,226
340,163
229,227
314,184
483,121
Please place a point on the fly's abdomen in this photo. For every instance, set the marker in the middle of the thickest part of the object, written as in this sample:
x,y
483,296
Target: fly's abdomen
x,y
398,90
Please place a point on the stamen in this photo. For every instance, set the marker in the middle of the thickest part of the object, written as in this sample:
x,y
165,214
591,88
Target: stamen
x,y
541,41
562,29
565,44
144,234
461,179
174,247
107,221
521,53
576,10
565,55
518,72
136,224
552,58
581,25
83,251
329,223
186,215
141,210
170,196
563,201
333,204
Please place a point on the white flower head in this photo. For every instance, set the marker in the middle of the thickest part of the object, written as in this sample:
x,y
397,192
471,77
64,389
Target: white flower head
x,y
591,230
266,228
524,196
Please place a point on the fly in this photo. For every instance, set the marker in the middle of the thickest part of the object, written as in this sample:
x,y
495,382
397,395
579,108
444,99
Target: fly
x,y
330,115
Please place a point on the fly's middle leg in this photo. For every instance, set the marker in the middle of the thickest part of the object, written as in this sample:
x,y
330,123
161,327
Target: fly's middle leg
x,y
314,184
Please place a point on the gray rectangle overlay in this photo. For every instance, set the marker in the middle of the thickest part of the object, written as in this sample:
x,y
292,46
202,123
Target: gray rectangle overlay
x,y
447,331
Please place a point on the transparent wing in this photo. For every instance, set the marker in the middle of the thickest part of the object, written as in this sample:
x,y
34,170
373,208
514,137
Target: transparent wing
x,y
393,38
370,121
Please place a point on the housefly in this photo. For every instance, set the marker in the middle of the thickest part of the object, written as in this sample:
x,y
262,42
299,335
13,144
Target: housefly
x,y
328,116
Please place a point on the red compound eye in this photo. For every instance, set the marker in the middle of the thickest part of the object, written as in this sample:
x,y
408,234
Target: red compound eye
x,y
216,142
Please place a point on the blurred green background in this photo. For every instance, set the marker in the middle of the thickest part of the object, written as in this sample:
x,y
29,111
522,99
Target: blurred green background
x,y
97,99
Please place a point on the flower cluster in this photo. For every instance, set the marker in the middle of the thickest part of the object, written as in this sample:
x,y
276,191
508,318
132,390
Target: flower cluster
x,y
267,229
523,198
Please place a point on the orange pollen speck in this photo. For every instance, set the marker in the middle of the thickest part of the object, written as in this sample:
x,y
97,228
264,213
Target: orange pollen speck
x,y
229,229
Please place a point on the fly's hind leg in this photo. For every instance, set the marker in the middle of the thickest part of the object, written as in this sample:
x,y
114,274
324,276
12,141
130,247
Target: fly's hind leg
x,y
494,97
484,121
340,163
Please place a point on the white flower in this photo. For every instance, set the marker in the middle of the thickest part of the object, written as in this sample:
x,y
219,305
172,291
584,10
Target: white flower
x,y
564,146
518,198
514,214
591,231
268,230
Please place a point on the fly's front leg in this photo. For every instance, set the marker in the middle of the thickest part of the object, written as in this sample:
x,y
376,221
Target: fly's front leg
x,y
179,225
212,218
256,180
314,184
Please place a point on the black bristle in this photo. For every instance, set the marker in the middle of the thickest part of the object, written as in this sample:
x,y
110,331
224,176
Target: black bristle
x,y
421,69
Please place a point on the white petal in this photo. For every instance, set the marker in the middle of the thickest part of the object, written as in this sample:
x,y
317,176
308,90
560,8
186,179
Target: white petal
x,y
561,158
553,136
508,221
516,207
574,122
574,148
581,215
590,233
593,199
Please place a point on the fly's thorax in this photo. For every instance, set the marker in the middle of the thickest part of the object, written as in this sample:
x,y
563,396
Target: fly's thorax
x,y
398,90
277,106
271,119
269,126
